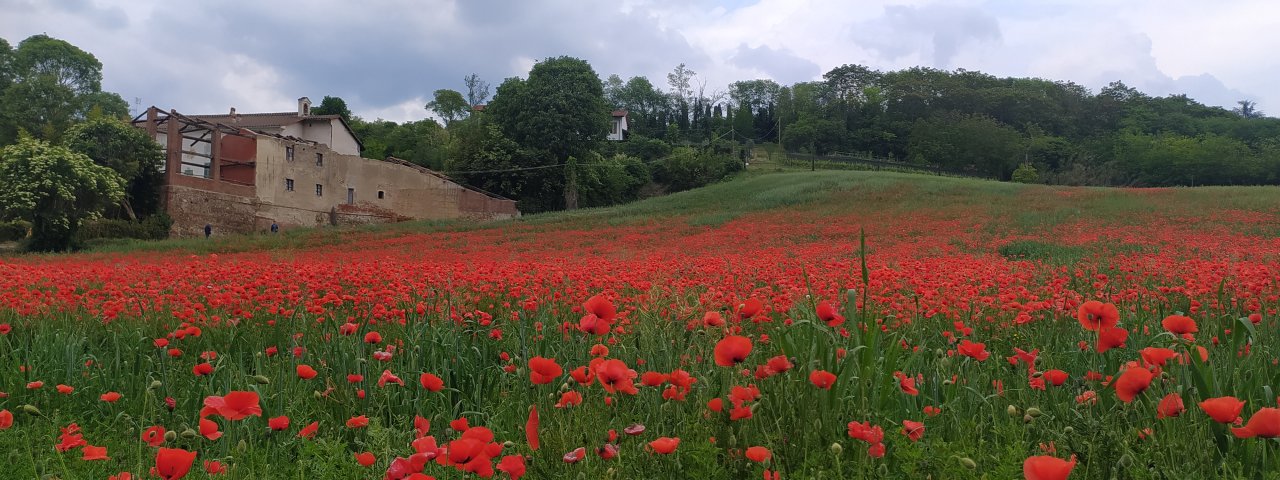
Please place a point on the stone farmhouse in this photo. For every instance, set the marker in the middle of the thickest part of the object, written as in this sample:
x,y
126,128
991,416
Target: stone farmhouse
x,y
240,173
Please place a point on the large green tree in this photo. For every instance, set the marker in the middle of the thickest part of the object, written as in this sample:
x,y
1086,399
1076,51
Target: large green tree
x,y
55,189
558,113
333,106
128,151
450,105
50,84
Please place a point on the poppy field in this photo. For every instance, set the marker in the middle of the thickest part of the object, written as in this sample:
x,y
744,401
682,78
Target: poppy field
x,y
785,325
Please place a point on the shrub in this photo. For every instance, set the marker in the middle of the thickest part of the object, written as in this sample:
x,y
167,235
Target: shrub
x,y
14,231
155,227
1026,173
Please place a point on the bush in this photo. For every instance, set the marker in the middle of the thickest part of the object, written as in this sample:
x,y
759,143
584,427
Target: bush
x,y
14,231
1026,173
155,227
687,168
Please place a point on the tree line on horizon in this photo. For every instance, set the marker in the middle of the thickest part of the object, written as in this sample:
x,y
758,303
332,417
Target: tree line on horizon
x,y
540,139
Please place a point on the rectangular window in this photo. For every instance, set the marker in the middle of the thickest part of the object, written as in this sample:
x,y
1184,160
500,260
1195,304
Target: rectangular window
x,y
319,159
380,195
288,153
288,184
319,190
351,196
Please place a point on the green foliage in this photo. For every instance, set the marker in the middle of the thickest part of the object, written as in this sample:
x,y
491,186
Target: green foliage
x,y
610,181
14,230
644,148
155,227
1026,173
812,135
449,105
423,142
332,106
48,84
55,189
967,142
1172,159
687,168
130,152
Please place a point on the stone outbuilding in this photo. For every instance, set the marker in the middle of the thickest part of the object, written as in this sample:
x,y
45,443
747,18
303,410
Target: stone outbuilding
x,y
240,173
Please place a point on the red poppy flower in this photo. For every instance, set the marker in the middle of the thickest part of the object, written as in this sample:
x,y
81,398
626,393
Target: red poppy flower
x,y
388,377
531,428
366,459
278,423
214,467
634,429
1264,423
544,370
91,452
1179,324
712,319
359,421
513,466
827,313
65,389
907,385
601,307
913,430
1056,377
1047,468
173,463
202,369
822,379
305,372
1223,409
575,456
373,338
110,397
664,445
1111,337
758,454
653,379
431,382
750,308
309,431
6,419
866,432
615,376
234,406
1132,382
1170,406
569,399
153,436
1094,315
1156,356
779,364
732,350
976,351
209,429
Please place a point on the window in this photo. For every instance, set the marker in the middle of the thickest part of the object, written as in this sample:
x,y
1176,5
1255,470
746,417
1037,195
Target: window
x,y
319,159
288,184
351,196
380,194
288,153
319,190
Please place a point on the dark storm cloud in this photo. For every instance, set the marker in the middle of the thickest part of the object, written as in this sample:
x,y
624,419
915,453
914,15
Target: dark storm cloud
x,y
934,30
385,53
781,65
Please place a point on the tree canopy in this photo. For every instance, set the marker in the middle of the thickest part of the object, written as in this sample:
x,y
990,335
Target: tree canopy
x,y
55,189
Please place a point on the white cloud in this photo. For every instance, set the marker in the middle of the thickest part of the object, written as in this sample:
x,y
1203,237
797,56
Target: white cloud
x,y
385,56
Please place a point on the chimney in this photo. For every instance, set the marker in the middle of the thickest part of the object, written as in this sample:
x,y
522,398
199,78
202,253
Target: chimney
x,y
304,107
233,111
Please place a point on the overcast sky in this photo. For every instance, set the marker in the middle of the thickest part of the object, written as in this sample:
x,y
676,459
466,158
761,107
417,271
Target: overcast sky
x,y
385,57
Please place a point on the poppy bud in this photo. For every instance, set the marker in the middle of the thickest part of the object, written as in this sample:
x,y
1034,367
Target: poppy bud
x,y
262,379
1012,411
947,382
968,463
1027,418
508,444
31,409
1037,375
172,436
852,293
155,384
564,387
883,470
1068,430
1034,412
836,448
242,446
1164,376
